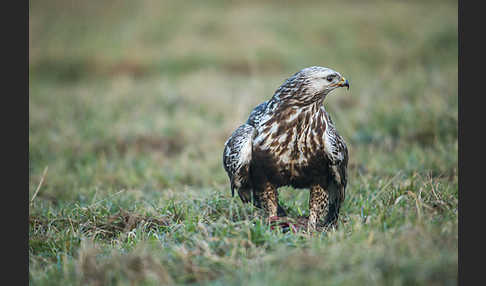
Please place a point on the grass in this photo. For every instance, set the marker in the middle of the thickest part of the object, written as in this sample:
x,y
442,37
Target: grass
x,y
131,102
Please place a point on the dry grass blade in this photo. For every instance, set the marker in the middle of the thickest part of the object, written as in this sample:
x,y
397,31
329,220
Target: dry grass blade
x,y
383,188
417,204
40,184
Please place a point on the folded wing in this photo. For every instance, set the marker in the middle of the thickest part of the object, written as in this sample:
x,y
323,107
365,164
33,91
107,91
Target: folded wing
x,y
237,156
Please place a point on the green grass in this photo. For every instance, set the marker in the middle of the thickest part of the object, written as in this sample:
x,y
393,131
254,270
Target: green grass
x,y
131,102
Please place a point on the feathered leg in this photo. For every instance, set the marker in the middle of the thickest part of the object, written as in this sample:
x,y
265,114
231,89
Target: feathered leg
x,y
267,199
318,207
258,202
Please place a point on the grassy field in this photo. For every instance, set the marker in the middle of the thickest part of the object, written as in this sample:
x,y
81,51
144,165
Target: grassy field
x,y
131,102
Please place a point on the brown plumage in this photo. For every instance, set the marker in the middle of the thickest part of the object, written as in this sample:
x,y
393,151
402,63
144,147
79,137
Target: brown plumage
x,y
290,140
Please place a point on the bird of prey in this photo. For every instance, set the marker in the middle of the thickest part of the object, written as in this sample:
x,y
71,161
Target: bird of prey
x,y
290,140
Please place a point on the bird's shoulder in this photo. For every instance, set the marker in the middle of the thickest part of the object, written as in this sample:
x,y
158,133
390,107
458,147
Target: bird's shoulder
x,y
256,114
237,149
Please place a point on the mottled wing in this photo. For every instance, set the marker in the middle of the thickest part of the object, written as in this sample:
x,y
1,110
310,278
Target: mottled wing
x,y
257,114
237,156
340,165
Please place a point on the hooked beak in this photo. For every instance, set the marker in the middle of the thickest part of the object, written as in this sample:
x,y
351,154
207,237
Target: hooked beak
x,y
344,82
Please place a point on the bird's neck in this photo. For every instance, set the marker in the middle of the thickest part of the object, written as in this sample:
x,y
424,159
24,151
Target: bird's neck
x,y
281,101
284,108
296,116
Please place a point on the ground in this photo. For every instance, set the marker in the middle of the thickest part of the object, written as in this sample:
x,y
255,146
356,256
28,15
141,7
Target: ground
x,y
130,104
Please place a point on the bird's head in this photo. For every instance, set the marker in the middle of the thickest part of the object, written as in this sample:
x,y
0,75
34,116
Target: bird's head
x,y
310,85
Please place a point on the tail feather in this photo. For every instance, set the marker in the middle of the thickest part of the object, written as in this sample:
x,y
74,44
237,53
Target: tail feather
x,y
245,194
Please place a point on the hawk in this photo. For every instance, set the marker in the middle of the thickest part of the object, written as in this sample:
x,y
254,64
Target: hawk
x,y
290,140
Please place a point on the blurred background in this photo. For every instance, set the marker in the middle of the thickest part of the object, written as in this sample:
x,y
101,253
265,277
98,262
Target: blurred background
x,y
172,78
141,95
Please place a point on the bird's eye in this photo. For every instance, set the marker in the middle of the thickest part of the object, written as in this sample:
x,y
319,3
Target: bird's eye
x,y
330,77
